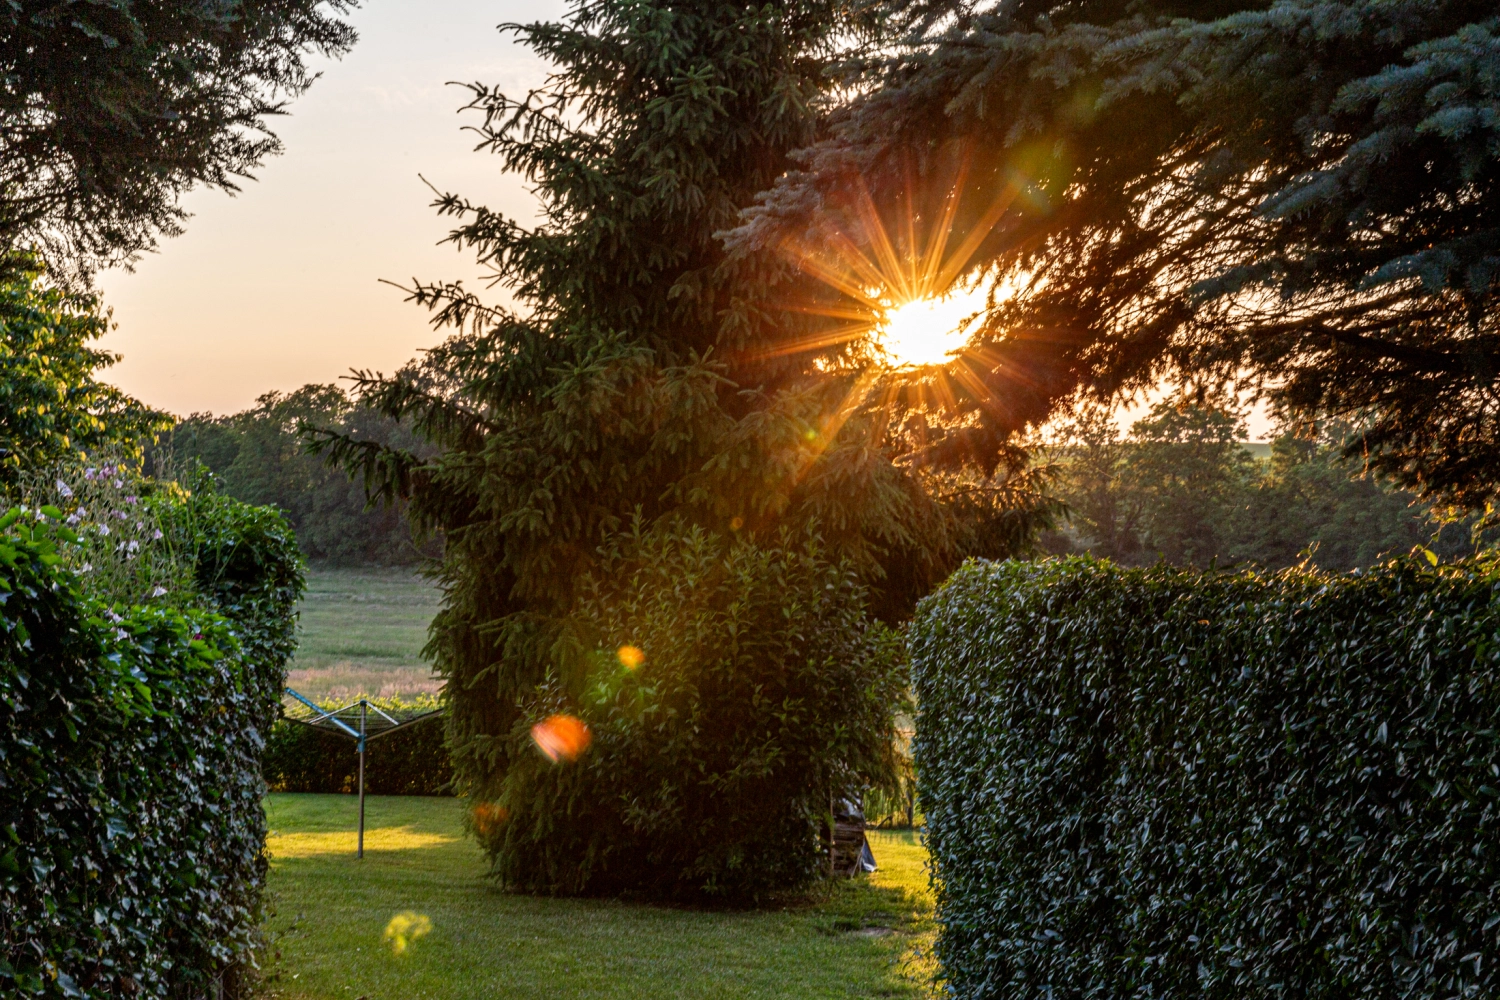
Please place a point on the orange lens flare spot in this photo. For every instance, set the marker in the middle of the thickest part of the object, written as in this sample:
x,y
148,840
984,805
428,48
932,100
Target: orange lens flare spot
x,y
561,737
489,817
736,523
631,656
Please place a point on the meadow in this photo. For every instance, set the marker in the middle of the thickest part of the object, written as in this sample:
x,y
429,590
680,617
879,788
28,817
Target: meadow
x,y
361,631
417,918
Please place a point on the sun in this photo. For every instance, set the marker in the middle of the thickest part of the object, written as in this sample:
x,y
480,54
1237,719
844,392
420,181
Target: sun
x,y
929,331
904,292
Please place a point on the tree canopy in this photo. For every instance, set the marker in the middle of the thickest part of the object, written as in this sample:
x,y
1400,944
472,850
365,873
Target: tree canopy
x,y
111,111
1302,194
1183,487
258,457
52,407
645,377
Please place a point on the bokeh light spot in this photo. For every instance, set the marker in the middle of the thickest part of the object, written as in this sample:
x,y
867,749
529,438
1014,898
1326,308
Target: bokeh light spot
x,y
631,656
561,737
488,817
404,928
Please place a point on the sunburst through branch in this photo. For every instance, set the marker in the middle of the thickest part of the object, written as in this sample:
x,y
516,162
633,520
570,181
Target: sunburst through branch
x,y
903,297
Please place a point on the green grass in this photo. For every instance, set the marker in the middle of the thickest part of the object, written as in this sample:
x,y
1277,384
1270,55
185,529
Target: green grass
x,y
362,632
864,938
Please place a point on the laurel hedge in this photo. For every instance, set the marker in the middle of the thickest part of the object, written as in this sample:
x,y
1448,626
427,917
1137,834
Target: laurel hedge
x,y
131,828
1162,782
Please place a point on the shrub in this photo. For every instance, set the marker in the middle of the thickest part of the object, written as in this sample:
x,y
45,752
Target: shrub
x,y
53,408
120,548
409,761
1169,783
131,826
726,691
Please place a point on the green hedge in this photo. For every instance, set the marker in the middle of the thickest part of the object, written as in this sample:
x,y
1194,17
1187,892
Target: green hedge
x,y
131,828
1166,783
409,761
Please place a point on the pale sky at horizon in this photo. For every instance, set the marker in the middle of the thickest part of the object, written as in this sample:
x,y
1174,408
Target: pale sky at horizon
x,y
279,285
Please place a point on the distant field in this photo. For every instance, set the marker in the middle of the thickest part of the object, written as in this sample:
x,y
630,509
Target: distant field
x,y
362,632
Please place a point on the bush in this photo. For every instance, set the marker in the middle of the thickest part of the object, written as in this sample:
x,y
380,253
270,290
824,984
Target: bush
x,y
725,691
409,761
131,827
53,408
1169,783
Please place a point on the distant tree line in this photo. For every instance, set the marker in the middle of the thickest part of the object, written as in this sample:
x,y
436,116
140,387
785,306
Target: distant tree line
x,y
259,456
1184,487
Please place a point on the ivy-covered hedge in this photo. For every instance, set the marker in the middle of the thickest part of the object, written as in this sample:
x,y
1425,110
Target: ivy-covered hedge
x,y
410,761
131,828
1168,783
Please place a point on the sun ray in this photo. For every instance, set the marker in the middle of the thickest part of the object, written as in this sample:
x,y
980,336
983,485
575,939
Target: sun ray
x,y
900,279
813,342
976,236
970,379
893,273
833,422
938,240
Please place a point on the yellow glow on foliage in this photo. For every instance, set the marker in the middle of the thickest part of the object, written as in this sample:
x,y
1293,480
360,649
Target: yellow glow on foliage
x,y
405,928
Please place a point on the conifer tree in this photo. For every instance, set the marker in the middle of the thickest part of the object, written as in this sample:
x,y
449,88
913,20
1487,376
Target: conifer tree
x,y
647,381
1305,192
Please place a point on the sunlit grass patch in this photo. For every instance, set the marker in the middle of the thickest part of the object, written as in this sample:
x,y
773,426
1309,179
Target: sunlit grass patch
x,y
864,938
283,846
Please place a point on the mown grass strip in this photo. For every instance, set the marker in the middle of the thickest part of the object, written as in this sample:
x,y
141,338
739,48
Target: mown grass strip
x,y
865,938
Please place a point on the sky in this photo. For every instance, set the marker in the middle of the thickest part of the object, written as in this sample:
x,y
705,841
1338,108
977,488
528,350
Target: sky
x,y
279,285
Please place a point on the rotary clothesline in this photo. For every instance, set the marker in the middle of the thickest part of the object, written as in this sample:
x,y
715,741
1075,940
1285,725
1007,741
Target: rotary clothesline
x,y
355,721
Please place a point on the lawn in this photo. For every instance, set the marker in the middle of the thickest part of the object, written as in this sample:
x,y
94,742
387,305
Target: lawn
x,y
362,632
864,938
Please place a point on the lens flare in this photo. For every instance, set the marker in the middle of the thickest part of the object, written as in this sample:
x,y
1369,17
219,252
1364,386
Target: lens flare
x,y
631,656
561,737
404,929
488,817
